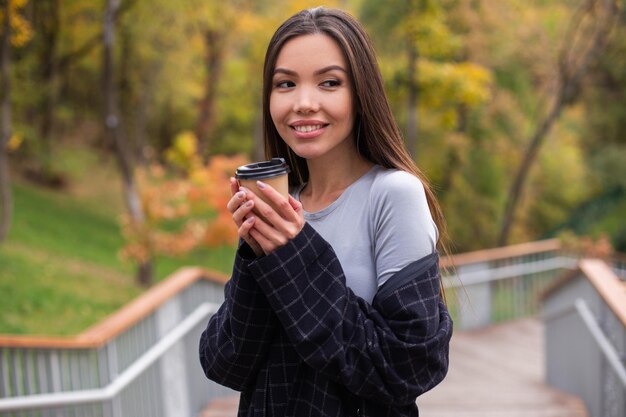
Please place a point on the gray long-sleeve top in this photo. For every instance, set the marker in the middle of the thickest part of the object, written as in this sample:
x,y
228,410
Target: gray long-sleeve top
x,y
379,224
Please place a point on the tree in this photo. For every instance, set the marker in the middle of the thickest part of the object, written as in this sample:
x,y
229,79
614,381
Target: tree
x,y
115,133
435,82
214,28
583,42
5,120
48,22
66,39
217,24
15,31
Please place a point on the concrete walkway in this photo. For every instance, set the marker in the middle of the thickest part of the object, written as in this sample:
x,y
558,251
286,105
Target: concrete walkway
x,y
494,372
499,372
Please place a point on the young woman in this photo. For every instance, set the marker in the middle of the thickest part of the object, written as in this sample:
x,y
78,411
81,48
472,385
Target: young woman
x,y
334,305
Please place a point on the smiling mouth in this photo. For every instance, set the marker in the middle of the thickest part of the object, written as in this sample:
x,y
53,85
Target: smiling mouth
x,y
307,128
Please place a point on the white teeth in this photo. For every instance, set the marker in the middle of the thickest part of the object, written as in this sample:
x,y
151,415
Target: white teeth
x,y
306,129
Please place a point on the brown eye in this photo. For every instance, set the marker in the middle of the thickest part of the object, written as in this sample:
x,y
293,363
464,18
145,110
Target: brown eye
x,y
331,83
284,84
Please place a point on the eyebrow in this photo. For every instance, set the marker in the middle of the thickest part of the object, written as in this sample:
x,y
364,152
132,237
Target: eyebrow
x,y
317,72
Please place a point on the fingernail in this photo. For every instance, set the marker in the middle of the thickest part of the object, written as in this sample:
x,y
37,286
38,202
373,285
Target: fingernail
x,y
249,203
250,220
260,184
241,195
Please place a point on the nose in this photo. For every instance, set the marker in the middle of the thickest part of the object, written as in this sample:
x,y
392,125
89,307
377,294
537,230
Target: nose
x,y
306,100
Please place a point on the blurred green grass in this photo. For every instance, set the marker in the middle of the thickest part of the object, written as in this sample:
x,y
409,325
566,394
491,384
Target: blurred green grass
x,y
60,270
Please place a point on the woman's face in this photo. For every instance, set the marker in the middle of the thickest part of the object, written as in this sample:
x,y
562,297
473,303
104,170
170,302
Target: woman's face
x,y
311,101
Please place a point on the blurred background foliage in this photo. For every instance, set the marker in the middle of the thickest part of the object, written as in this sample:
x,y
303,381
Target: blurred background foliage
x,y
470,81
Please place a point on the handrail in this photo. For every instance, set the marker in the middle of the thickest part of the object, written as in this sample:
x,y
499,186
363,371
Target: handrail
x,y
503,252
581,307
123,380
99,334
604,280
608,285
603,342
479,277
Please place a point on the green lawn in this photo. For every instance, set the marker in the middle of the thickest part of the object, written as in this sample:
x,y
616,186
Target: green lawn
x,y
59,269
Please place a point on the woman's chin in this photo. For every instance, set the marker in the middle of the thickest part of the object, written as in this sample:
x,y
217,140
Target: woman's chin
x,y
308,152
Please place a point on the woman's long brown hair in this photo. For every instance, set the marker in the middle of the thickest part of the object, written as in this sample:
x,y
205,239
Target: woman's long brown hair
x,y
377,134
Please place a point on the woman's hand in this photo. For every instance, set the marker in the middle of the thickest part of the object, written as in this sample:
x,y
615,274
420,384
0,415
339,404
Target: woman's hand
x,y
241,210
273,228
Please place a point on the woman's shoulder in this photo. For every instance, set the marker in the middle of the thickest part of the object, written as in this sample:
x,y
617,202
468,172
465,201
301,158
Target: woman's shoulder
x,y
395,183
396,192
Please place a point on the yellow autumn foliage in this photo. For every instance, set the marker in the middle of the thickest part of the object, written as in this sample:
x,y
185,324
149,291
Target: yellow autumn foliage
x,y
184,152
21,29
14,142
445,83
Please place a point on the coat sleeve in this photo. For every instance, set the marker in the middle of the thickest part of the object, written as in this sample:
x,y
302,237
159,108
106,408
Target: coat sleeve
x,y
392,350
235,342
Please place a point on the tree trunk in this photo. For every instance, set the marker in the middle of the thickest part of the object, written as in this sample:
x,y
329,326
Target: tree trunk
x,y
48,12
67,60
213,44
515,192
6,201
573,64
453,159
115,133
128,102
135,98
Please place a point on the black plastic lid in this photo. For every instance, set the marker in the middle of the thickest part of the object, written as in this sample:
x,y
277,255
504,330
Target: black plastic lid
x,y
265,169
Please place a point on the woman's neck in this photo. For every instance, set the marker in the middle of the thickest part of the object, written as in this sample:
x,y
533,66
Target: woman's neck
x,y
329,179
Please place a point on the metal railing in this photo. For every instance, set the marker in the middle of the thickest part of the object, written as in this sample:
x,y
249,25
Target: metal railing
x,y
585,320
618,264
151,367
494,288
586,357
123,380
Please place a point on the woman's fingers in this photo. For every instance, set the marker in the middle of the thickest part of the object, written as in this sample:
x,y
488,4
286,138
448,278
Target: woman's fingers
x,y
234,186
268,242
296,205
236,201
244,229
281,211
271,235
276,223
281,205
238,204
234,191
243,211
244,232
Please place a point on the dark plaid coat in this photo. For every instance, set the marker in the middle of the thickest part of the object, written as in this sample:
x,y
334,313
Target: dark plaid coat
x,y
297,342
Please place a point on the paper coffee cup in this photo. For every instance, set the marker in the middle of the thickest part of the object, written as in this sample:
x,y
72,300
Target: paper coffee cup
x,y
274,173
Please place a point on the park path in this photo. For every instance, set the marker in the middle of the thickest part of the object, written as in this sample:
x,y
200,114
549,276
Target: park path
x,y
497,371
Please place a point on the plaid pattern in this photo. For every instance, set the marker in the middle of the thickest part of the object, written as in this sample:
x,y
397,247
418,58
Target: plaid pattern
x,y
297,342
